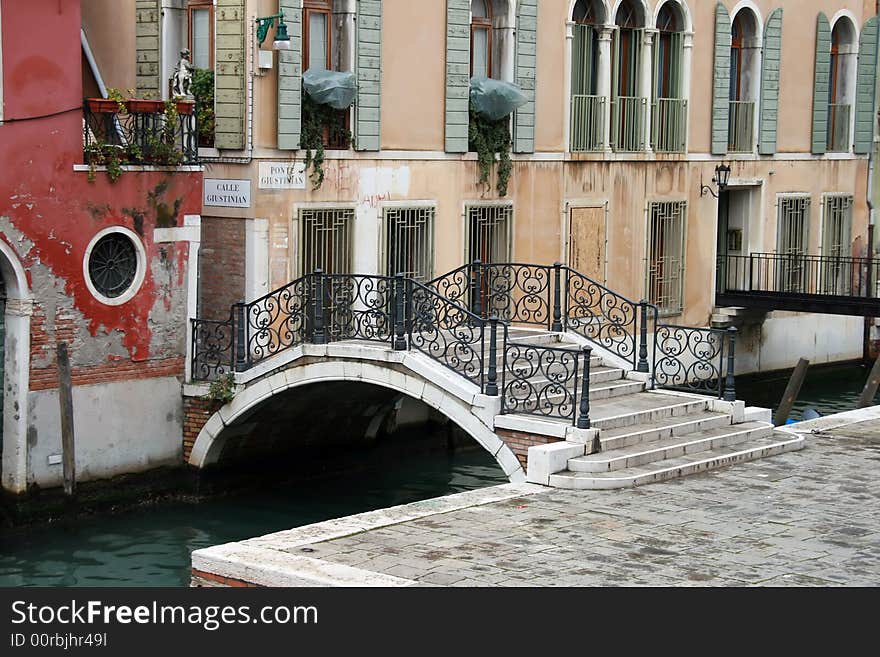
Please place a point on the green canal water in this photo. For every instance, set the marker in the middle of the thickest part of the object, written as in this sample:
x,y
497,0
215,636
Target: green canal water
x,y
152,546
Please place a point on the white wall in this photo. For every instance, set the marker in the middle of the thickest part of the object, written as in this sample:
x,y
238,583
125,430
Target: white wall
x,y
119,427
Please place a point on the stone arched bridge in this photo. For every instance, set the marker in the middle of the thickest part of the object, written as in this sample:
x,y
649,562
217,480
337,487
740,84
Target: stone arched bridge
x,y
562,380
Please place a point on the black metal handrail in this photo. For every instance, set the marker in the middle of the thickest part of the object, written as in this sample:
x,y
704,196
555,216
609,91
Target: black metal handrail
x,y
213,353
699,360
798,274
132,137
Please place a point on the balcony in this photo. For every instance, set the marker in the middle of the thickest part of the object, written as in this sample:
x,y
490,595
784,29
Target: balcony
x,y
669,125
741,129
628,124
838,127
587,121
139,132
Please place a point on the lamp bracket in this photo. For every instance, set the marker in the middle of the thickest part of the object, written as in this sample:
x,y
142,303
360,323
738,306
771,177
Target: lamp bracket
x,y
263,25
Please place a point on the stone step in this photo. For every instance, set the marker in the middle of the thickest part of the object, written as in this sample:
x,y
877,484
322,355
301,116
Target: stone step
x,y
668,448
668,427
678,467
642,408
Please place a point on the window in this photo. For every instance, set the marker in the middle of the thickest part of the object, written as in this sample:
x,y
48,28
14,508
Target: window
x,y
114,265
489,233
201,33
836,243
665,255
745,69
326,240
587,107
670,109
628,110
481,38
409,242
841,89
318,40
791,242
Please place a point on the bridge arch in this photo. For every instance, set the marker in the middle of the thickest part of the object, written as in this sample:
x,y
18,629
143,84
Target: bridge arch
x,y
472,418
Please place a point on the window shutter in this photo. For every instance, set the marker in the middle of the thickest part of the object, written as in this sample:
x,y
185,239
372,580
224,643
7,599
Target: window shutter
x,y
458,85
721,85
821,82
865,88
770,83
290,78
526,67
229,74
147,32
369,74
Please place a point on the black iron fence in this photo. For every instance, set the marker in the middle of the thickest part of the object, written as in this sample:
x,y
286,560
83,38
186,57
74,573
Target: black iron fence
x,y
140,133
798,274
699,360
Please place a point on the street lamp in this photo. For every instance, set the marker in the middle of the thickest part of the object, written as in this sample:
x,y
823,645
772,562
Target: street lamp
x,y
282,40
722,177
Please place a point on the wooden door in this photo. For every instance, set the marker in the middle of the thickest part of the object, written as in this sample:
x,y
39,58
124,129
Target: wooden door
x,y
586,242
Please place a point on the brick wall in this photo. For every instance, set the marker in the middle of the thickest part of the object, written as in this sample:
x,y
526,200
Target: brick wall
x,y
519,443
196,412
222,266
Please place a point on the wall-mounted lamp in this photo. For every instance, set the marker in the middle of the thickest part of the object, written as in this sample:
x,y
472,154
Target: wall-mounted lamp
x,y
282,40
722,177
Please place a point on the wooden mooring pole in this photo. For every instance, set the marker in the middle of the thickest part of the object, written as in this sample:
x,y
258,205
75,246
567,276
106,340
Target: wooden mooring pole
x,y
867,397
65,398
792,390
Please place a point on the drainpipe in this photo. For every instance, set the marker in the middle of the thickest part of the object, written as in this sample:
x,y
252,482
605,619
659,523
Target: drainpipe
x,y
93,65
872,208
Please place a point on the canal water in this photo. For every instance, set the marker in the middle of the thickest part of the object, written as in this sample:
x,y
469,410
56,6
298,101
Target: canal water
x,y
152,546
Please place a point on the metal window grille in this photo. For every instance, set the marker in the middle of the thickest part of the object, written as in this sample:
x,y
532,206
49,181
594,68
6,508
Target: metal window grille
x,y
409,242
836,238
793,221
665,261
489,233
325,240
587,108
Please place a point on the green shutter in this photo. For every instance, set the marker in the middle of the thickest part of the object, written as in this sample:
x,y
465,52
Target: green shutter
x,y
369,74
458,85
229,74
526,67
865,88
770,83
147,31
721,84
821,82
290,78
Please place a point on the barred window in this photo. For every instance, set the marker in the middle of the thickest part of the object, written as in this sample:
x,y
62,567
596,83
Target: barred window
x,y
326,240
665,255
837,230
794,217
409,242
489,230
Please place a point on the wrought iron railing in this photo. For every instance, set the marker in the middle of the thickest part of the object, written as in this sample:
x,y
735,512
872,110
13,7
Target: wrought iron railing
x,y
546,382
628,123
358,307
699,360
799,274
838,127
587,123
213,353
138,136
741,127
669,125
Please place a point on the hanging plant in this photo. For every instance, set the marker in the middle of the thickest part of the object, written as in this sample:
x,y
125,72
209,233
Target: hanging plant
x,y
491,141
320,124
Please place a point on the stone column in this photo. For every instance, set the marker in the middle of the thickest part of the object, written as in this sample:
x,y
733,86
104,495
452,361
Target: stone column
x,y
15,401
603,82
686,63
646,82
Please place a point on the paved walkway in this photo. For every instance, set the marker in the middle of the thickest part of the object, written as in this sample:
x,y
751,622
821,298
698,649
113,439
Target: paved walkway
x,y
808,518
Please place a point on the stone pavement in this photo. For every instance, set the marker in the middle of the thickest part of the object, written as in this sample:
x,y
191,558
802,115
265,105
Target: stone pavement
x,y
808,518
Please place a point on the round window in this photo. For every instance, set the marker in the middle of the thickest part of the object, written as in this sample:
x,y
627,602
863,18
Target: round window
x,y
113,266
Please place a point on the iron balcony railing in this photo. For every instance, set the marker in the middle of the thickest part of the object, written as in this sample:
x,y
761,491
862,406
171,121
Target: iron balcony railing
x,y
669,125
587,123
139,133
798,274
628,124
741,127
838,127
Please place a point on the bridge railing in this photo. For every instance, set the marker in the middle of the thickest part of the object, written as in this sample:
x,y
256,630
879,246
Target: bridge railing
x,y
212,349
698,360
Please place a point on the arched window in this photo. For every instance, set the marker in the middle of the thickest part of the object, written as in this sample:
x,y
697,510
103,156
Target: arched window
x,y
628,123
481,38
745,67
670,108
842,88
587,107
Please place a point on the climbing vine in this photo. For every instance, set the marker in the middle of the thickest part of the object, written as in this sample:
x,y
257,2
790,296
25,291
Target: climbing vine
x,y
320,124
491,140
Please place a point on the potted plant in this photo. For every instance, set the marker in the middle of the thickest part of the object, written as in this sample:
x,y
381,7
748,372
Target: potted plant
x,y
102,105
144,106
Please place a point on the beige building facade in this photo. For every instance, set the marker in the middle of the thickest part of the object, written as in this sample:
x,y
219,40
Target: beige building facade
x,y
632,105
